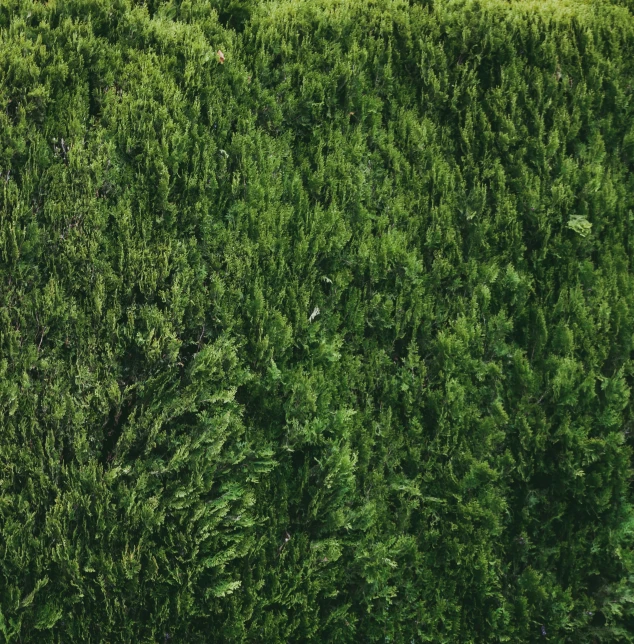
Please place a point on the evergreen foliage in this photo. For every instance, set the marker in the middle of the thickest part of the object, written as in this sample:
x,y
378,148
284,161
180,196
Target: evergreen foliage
x,y
330,342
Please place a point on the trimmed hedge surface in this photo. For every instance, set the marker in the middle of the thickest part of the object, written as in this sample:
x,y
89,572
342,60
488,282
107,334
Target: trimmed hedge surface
x,y
330,341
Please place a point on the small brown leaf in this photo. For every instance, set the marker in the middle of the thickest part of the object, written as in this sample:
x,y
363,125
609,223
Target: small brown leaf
x,y
221,57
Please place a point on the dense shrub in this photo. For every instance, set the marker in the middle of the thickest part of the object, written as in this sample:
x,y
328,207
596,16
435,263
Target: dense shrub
x,y
332,341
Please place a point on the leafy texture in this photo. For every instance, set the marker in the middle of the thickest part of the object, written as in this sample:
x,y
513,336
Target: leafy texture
x,y
329,342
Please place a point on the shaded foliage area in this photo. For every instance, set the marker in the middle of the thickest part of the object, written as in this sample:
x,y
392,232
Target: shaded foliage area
x,y
329,342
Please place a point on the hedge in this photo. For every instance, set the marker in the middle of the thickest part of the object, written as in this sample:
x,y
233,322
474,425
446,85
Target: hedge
x,y
316,321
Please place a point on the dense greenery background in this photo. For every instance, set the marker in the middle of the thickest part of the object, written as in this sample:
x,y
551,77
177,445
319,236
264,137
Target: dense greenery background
x,y
331,342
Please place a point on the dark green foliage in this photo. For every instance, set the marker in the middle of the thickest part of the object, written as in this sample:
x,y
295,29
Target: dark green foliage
x,y
235,14
331,342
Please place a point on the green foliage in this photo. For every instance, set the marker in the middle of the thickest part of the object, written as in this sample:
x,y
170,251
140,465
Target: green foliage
x,y
331,342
